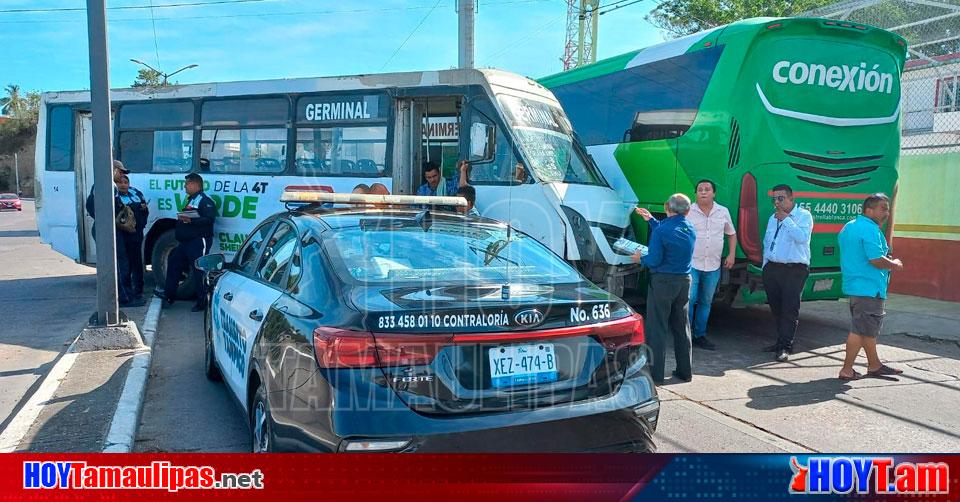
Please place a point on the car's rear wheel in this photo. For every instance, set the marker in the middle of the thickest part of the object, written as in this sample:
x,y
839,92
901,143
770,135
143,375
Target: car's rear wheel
x,y
209,357
261,431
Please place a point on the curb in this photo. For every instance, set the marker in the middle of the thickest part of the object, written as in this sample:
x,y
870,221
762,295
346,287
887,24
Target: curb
x,y
123,426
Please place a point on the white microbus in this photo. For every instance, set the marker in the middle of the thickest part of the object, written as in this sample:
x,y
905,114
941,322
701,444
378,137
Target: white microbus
x,y
250,140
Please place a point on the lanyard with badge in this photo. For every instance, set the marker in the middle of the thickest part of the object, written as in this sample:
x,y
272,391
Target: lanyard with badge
x,y
773,243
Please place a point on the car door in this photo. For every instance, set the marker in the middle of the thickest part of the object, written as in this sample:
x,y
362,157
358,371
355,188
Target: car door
x,y
231,333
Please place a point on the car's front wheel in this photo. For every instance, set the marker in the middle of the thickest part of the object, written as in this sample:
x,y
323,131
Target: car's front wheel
x,y
261,431
209,357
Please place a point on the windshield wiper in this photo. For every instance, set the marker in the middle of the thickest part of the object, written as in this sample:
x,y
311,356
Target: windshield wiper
x,y
493,251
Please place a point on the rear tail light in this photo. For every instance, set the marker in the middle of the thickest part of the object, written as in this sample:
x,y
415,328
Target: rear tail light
x,y
621,333
749,221
344,348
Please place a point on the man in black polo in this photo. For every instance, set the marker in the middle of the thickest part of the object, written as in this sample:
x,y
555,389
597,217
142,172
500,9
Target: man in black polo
x,y
194,232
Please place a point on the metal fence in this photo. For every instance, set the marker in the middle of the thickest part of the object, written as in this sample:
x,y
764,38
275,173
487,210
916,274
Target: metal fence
x,y
931,109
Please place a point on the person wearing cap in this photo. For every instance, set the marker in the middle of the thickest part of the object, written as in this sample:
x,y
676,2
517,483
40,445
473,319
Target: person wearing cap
x,y
194,236
125,296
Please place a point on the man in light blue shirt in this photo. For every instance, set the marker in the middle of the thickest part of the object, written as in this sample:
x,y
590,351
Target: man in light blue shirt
x,y
866,271
786,265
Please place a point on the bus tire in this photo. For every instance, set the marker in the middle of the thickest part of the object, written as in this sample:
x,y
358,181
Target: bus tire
x,y
613,282
161,252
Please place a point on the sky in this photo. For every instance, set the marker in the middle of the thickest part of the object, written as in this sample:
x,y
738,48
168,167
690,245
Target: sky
x,y
265,39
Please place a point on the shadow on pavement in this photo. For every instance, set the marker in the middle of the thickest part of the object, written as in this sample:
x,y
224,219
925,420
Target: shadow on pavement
x,y
79,416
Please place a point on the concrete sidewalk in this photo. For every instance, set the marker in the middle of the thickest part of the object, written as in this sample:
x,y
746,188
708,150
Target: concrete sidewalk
x,y
78,415
802,403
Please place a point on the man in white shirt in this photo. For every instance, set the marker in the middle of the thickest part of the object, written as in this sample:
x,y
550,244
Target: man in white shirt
x,y
712,222
786,265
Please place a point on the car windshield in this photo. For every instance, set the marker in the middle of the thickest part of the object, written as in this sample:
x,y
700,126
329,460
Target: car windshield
x,y
405,253
546,137
7,196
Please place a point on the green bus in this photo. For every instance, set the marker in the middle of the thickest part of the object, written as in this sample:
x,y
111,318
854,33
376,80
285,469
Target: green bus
x,y
813,103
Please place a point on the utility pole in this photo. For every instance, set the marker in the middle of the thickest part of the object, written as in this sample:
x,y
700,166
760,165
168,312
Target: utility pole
x,y
580,47
16,169
466,9
107,309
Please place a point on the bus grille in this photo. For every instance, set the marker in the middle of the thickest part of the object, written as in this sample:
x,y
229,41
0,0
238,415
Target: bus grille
x,y
833,173
733,157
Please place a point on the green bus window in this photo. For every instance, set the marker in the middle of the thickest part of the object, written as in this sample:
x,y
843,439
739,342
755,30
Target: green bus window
x,y
342,151
60,139
244,150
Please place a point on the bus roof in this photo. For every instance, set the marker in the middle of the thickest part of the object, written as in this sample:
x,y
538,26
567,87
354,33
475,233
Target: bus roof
x,y
676,47
492,79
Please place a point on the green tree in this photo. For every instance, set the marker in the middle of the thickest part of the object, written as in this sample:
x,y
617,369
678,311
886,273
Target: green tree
x,y
682,17
13,104
147,77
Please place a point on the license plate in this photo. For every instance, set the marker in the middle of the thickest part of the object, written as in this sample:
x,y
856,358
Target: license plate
x,y
822,285
522,364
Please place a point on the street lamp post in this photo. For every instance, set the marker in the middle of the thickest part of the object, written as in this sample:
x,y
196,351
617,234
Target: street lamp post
x,y
162,74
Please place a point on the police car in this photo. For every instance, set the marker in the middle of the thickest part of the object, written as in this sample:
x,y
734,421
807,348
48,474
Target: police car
x,y
384,326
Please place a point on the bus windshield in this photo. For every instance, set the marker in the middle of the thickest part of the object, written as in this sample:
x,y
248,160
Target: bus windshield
x,y
544,134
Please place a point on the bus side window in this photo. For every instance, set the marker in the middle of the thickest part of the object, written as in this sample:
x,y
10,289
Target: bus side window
x,y
245,135
156,137
60,139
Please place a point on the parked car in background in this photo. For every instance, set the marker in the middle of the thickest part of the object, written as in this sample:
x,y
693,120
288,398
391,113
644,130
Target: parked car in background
x,y
10,201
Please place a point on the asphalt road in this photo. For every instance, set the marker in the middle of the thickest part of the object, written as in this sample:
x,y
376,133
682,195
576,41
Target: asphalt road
x,y
45,298
739,401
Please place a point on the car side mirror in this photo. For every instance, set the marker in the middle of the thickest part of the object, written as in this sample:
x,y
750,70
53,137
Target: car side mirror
x,y
210,263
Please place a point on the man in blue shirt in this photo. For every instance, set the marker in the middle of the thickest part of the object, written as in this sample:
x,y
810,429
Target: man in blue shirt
x,y
437,184
786,265
866,271
668,295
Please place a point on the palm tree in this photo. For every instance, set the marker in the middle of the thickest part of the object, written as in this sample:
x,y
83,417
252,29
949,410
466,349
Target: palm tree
x,y
13,104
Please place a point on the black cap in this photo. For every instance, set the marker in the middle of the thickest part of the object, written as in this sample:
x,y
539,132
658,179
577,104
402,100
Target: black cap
x,y
194,177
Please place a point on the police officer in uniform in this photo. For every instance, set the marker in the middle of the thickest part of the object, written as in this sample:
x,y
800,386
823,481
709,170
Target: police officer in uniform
x,y
194,235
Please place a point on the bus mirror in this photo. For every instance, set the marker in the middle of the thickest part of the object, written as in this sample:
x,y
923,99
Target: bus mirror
x,y
482,142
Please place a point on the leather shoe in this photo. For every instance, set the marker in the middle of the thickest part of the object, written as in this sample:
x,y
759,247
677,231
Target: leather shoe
x,y
682,377
783,356
701,342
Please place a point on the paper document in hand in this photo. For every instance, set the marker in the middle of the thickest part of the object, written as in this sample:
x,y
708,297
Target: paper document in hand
x,y
189,214
627,246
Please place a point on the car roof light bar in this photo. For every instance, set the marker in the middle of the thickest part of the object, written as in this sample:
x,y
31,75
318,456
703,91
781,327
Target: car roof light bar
x,y
307,196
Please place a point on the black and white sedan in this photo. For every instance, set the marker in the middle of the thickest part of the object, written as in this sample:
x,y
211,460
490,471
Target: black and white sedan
x,y
394,328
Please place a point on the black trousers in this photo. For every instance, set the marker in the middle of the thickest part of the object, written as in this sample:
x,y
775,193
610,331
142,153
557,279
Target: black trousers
x,y
181,260
784,283
668,299
130,247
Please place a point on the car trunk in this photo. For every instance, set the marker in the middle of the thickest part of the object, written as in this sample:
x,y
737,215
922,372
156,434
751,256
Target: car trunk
x,y
454,350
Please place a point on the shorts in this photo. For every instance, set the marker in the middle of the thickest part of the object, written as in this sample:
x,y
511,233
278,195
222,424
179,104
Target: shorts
x,y
866,315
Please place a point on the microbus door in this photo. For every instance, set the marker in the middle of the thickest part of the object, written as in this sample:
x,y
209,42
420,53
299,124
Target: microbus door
x,y
84,142
407,150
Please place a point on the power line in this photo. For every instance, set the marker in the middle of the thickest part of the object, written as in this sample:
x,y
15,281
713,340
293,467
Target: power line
x,y
156,44
618,7
265,14
129,7
411,34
